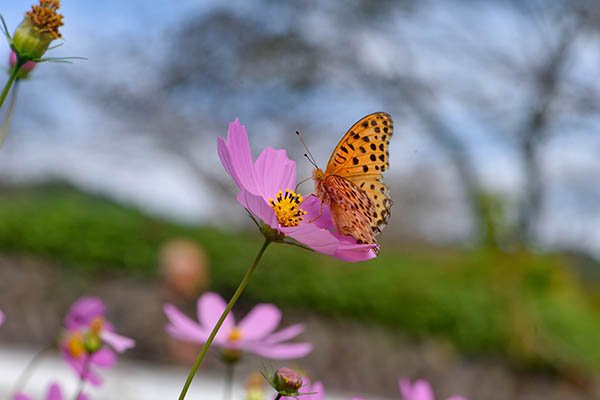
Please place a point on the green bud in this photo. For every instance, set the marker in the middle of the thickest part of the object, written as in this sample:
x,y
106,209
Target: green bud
x,y
29,42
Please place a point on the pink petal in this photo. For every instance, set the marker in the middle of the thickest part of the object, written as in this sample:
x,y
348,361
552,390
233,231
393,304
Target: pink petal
x,y
210,307
78,366
317,212
2,317
21,396
280,351
285,334
104,358
260,322
349,250
405,388
54,392
183,328
117,342
422,390
236,157
258,207
318,389
274,171
320,240
83,311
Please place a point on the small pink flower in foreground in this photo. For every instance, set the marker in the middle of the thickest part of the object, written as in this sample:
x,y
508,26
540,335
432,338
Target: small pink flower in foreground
x,y
420,390
54,393
267,192
90,340
254,334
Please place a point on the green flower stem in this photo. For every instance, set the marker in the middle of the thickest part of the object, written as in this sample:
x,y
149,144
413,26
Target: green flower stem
x,y
230,368
82,378
9,113
11,80
26,373
230,305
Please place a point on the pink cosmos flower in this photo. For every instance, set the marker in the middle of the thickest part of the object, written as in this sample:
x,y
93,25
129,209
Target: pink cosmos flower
x,y
420,390
90,340
266,190
54,393
254,334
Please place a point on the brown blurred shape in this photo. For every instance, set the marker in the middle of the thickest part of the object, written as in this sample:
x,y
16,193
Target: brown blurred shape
x,y
184,267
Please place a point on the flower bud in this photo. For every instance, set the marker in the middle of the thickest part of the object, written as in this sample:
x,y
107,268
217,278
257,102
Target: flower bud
x,y
38,29
287,381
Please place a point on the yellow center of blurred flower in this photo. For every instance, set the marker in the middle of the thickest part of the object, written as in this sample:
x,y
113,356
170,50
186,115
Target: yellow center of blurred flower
x,y
287,208
45,18
97,325
235,335
74,344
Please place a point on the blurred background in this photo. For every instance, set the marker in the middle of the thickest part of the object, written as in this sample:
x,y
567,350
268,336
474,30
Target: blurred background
x,y
487,282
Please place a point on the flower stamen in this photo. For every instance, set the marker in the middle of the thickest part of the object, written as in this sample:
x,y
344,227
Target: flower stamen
x,y
45,17
287,208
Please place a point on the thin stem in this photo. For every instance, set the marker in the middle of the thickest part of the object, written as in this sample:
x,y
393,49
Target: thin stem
x,y
229,372
82,377
13,77
230,305
26,373
9,113
278,396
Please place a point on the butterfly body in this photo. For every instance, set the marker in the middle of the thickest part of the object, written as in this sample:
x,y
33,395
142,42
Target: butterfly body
x,y
352,184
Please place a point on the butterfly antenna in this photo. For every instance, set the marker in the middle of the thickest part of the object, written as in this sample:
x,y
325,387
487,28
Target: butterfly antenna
x,y
311,159
300,183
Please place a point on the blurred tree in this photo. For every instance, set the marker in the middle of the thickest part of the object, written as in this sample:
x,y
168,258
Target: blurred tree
x,y
431,63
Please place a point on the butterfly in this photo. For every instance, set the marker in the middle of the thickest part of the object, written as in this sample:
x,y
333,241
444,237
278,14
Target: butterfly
x,y
352,184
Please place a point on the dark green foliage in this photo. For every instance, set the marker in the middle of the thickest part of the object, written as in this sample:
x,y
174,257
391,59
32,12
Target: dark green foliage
x,y
526,307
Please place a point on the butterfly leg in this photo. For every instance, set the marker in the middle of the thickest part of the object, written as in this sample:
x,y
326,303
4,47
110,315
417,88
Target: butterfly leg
x,y
318,216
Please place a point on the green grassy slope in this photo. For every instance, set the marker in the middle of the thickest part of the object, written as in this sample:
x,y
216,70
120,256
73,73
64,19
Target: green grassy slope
x,y
528,308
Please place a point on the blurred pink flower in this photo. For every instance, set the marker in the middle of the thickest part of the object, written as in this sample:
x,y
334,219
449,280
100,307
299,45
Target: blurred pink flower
x,y
420,390
255,333
90,339
2,317
266,191
54,393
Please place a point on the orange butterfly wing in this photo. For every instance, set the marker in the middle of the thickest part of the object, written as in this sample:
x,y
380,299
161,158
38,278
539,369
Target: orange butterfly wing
x,y
352,185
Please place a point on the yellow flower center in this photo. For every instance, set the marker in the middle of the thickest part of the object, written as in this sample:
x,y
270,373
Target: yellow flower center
x,y
74,345
287,208
235,335
45,17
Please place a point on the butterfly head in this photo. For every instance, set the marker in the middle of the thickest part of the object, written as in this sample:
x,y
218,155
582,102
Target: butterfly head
x,y
318,174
